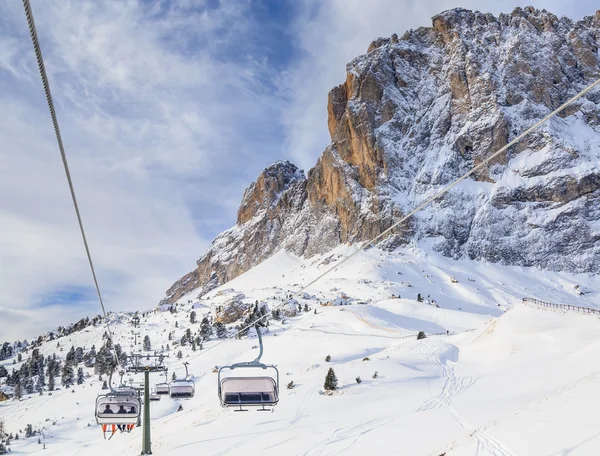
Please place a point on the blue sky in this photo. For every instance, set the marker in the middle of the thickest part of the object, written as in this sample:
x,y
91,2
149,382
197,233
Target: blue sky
x,y
168,111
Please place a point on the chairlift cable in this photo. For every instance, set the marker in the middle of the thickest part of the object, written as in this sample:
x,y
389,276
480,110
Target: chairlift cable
x,y
420,207
46,84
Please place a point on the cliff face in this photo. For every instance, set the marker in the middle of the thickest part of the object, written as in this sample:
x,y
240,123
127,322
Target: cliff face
x,y
417,112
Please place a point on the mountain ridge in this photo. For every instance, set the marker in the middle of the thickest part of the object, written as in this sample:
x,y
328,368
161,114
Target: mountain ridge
x,y
417,112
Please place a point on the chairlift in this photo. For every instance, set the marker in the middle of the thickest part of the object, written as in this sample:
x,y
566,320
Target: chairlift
x,y
163,387
184,388
240,391
154,396
119,408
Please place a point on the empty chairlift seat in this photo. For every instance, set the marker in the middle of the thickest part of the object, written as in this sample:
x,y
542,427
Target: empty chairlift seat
x,y
184,389
162,388
248,391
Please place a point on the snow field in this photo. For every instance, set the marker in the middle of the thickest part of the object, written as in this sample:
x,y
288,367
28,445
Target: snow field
x,y
519,382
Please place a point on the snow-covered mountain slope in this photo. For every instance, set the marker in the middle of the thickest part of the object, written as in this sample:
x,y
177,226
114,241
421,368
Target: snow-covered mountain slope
x,y
504,367
418,111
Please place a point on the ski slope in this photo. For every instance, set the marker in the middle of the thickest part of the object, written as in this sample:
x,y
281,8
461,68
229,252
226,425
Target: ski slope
x,y
510,379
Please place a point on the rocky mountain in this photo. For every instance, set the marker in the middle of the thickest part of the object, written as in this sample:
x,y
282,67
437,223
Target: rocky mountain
x,y
417,112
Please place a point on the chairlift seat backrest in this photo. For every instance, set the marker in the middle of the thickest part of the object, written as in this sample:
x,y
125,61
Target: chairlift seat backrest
x,y
249,391
117,409
162,388
182,388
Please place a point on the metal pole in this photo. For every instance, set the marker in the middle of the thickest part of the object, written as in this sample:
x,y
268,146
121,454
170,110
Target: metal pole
x,y
146,443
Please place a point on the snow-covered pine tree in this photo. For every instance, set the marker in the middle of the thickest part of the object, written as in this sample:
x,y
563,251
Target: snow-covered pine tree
x,y
29,385
89,359
68,376
193,317
79,355
179,354
50,380
205,329
147,344
331,380
221,330
18,391
80,377
70,358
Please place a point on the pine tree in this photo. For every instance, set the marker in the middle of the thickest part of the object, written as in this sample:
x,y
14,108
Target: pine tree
x,y
179,354
177,324
421,335
147,345
80,377
41,380
174,376
68,376
70,358
50,381
331,380
18,390
193,317
79,355
104,385
205,329
29,387
221,330
419,297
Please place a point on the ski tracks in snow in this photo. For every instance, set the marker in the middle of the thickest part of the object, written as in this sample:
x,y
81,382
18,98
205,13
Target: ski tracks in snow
x,y
484,440
454,386
301,410
343,438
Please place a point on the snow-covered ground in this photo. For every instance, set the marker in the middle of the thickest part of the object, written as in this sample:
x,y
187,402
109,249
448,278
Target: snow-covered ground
x,y
510,379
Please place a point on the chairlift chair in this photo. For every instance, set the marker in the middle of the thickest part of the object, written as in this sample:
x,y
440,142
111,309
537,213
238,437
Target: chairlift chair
x,y
240,391
163,387
119,408
184,388
154,396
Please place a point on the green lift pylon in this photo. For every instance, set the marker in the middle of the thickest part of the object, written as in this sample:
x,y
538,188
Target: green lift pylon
x,y
146,443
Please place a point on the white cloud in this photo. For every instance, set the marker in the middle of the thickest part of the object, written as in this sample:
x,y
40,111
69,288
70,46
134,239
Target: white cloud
x,y
155,109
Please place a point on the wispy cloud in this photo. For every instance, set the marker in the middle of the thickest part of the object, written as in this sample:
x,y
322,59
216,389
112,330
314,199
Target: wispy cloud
x,y
166,113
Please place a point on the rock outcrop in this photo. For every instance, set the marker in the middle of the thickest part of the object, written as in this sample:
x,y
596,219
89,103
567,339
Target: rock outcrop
x,y
417,112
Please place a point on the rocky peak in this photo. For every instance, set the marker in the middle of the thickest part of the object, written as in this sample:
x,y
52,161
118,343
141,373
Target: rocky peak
x,y
418,112
266,192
